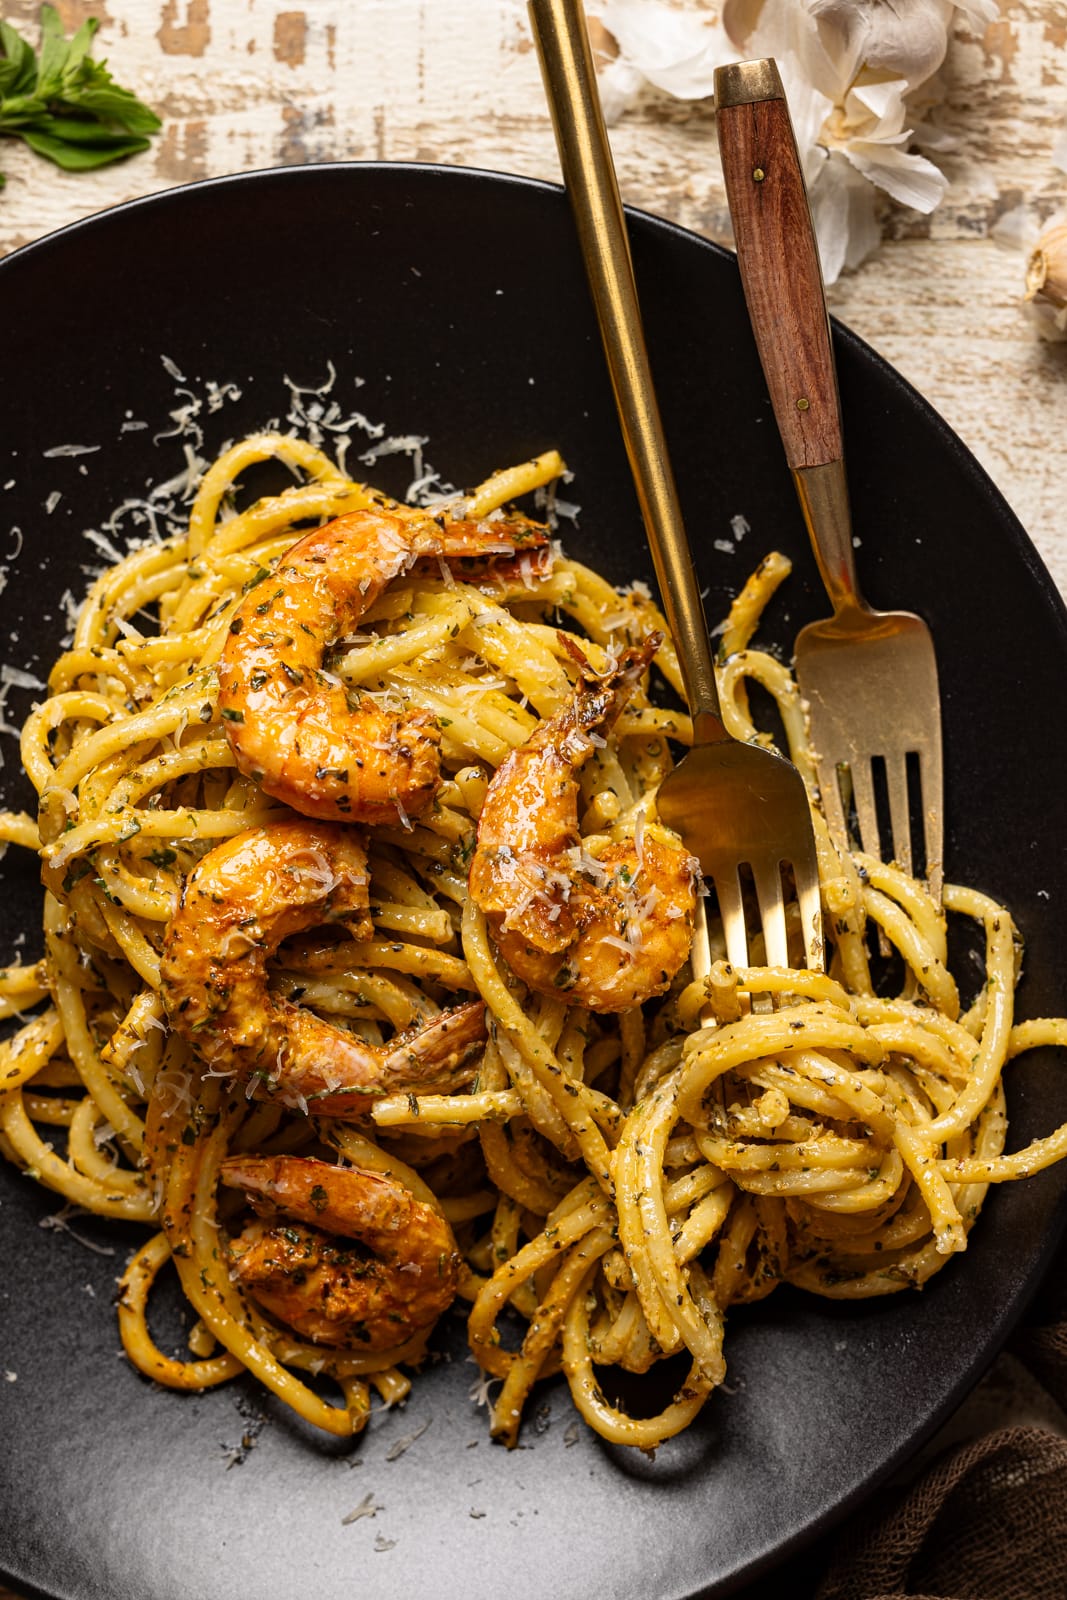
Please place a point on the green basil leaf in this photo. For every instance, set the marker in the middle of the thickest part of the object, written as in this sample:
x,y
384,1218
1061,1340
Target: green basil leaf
x,y
99,94
19,111
95,147
18,68
61,59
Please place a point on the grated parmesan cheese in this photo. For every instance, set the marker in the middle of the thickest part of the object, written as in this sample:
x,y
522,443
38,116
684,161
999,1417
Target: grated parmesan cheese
x,y
20,679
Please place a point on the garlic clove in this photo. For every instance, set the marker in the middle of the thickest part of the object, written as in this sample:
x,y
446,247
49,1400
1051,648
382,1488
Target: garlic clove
x,y
1046,270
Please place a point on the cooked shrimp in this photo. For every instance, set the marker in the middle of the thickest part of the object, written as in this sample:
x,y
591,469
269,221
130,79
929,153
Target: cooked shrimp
x,y
606,921
291,726
364,1265
240,902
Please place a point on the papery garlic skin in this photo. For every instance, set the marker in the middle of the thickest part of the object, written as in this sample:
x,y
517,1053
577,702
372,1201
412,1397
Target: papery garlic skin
x,y
907,40
848,67
851,64
1046,281
674,50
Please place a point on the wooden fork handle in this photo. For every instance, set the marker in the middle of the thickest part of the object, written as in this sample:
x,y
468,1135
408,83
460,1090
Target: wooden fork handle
x,y
779,259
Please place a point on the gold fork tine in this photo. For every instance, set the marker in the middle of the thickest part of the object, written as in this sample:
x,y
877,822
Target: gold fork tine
x,y
769,895
732,912
931,786
896,777
862,775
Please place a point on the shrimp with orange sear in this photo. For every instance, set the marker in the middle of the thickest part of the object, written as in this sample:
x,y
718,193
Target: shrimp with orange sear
x,y
604,921
241,900
293,727
343,1256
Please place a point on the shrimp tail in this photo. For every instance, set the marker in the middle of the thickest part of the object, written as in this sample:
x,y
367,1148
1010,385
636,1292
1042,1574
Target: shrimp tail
x,y
440,1055
485,545
608,693
339,1200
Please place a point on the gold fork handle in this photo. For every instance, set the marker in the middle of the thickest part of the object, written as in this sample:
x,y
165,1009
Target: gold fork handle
x,y
589,175
779,261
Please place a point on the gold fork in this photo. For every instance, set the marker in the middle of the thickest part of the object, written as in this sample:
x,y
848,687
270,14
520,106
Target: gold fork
x,y
734,804
869,677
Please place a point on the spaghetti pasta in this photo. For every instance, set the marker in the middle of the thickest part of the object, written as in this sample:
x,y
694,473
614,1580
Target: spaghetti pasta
x,y
615,1176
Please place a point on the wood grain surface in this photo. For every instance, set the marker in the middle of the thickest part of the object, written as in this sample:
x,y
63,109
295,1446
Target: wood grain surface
x,y
243,84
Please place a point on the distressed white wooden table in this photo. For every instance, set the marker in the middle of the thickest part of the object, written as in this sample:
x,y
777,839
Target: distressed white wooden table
x,y
269,82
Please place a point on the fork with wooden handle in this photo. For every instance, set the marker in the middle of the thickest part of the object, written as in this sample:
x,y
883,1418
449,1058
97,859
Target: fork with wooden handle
x,y
733,804
869,677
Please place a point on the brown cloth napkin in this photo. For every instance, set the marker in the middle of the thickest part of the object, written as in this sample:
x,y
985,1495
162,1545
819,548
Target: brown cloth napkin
x,y
982,1513
988,1521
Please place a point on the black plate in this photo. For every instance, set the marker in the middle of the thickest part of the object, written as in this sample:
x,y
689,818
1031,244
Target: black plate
x,y
459,299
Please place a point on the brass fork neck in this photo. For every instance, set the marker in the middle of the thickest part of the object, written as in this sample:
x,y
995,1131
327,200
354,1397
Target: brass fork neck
x,y
823,495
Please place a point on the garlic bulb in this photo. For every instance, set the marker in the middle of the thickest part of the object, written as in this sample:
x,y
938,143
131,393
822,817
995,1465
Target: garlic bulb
x,y
1046,271
1046,280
